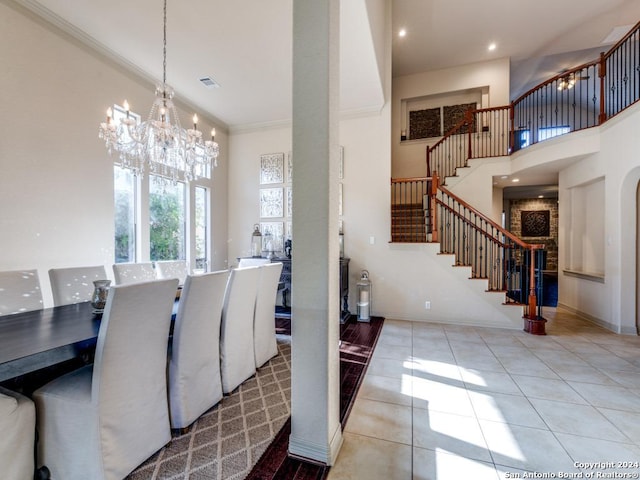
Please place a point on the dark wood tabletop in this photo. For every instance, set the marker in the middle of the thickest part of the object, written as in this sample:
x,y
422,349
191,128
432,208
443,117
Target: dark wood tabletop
x,y
41,338
36,339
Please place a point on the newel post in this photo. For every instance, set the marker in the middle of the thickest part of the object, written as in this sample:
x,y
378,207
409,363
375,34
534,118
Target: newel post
x,y
428,162
532,322
434,207
533,300
602,73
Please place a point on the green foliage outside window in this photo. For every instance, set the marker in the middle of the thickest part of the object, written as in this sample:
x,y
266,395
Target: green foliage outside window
x,y
166,218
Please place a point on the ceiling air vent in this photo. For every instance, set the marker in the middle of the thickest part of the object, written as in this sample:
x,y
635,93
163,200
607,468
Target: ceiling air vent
x,y
209,82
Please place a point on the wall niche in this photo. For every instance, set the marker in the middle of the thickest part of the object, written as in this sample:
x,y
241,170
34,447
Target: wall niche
x,y
432,116
540,217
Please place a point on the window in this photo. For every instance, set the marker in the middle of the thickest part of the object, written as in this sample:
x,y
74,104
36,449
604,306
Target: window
x,y
125,193
125,200
550,132
522,138
166,219
201,215
175,228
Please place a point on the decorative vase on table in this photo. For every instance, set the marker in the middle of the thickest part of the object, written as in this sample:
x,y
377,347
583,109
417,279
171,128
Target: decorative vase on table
x,y
99,297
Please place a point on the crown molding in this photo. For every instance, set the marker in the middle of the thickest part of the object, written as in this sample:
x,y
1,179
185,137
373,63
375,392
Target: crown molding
x,y
80,38
262,126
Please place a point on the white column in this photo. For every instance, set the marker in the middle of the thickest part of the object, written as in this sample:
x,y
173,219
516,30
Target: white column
x,y
315,378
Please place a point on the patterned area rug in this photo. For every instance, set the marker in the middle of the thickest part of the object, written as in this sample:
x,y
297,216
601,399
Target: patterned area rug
x,y
227,441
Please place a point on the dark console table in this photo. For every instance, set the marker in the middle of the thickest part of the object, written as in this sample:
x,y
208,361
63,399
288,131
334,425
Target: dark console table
x,y
285,278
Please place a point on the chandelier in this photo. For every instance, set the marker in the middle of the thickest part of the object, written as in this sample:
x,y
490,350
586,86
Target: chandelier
x,y
160,144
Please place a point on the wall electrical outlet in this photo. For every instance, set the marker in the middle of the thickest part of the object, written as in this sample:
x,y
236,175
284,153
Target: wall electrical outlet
x,y
427,305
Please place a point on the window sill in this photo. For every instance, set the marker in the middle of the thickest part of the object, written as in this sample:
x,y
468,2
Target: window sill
x,y
592,277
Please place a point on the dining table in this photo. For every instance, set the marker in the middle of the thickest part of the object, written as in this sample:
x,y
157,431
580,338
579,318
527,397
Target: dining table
x,y
41,338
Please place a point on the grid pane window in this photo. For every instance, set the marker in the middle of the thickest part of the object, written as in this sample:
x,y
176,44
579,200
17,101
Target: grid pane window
x,y
201,215
166,219
550,132
166,203
125,194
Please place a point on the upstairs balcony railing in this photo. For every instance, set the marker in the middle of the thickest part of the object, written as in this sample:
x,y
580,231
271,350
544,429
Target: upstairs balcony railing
x,y
480,134
582,97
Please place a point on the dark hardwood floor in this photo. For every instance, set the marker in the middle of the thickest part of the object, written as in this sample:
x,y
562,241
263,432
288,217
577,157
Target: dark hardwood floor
x,y
358,341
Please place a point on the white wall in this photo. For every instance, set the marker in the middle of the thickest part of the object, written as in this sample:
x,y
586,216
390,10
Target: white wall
x,y
409,156
613,302
244,183
599,171
56,188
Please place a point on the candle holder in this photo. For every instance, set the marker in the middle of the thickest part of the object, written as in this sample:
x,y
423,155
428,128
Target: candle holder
x,y
99,297
364,297
256,242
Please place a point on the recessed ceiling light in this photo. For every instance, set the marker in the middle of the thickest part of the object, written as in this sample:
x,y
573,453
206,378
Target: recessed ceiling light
x,y
504,176
515,180
540,196
492,46
402,32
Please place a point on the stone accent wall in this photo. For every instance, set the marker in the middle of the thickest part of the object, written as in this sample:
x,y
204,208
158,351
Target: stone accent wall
x,y
424,123
452,114
551,242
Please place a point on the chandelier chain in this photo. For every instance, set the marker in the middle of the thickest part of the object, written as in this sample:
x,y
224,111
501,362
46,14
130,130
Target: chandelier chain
x,y
160,144
164,46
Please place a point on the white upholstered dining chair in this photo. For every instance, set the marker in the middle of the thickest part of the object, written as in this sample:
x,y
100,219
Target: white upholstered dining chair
x,y
125,273
195,384
18,427
19,291
253,262
103,420
264,328
74,285
172,269
237,362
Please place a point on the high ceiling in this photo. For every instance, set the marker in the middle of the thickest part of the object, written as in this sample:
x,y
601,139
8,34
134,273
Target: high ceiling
x,y
245,45
542,37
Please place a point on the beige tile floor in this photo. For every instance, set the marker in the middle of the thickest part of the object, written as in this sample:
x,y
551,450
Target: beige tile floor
x,y
445,402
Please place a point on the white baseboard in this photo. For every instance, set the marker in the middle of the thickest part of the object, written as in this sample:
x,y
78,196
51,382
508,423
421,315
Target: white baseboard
x,y
600,322
315,452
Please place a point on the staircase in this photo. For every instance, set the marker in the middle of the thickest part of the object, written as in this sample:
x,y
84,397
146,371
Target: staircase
x,y
410,220
408,223
423,211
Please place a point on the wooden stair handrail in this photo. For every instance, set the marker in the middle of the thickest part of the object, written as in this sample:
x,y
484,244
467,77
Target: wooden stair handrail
x,y
452,131
471,224
506,233
629,34
593,63
410,179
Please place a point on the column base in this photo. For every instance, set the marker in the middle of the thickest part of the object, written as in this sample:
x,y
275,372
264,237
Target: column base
x,y
534,326
306,451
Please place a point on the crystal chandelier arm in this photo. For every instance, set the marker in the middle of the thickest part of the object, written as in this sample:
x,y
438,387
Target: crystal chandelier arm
x,y
160,144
